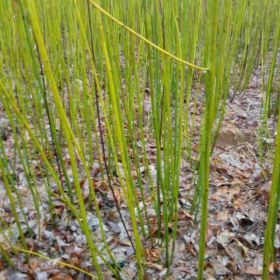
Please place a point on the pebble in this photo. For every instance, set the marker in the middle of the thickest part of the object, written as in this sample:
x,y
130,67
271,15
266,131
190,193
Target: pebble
x,y
65,257
93,222
48,235
73,228
81,239
42,275
17,276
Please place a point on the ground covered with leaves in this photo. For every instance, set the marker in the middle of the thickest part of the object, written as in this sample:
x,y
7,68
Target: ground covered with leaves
x,y
240,184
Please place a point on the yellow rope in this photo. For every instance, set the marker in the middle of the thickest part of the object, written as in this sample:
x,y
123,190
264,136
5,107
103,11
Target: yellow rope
x,y
145,39
54,261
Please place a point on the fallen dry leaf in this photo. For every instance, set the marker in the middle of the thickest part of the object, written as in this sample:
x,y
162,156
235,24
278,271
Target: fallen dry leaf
x,y
155,266
152,254
225,238
2,265
253,271
61,276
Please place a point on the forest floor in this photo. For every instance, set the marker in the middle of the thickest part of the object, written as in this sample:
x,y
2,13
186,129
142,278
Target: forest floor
x,y
237,214
238,199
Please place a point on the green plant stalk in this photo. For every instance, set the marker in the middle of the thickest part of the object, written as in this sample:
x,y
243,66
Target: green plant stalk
x,y
276,45
146,40
100,130
6,256
10,174
205,153
273,209
109,132
166,24
30,178
151,74
275,187
197,8
115,58
92,191
222,88
130,70
77,214
68,133
123,148
177,143
13,203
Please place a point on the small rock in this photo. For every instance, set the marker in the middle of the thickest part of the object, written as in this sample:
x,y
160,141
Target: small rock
x,y
48,235
93,222
81,239
42,275
73,228
65,257
18,276
115,227
130,251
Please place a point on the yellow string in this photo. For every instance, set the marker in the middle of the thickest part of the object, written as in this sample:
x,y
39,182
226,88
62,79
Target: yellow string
x,y
54,261
145,39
